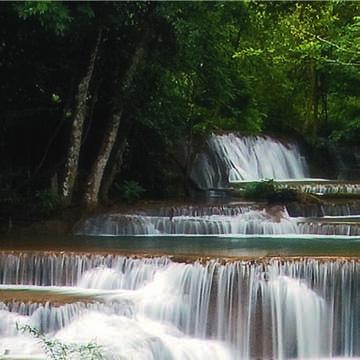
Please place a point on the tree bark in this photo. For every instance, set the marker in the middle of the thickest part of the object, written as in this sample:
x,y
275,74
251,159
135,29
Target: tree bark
x,y
76,132
113,168
97,170
312,116
91,195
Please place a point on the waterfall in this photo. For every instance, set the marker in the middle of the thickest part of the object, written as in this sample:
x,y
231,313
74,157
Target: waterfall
x,y
323,228
277,309
271,221
326,209
229,157
331,188
51,269
250,222
51,318
233,209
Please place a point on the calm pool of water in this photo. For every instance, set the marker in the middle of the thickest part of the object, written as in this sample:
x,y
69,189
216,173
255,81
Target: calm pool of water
x,y
296,245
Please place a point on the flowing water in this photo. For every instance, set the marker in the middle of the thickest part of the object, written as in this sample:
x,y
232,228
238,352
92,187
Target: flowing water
x,y
332,188
326,209
213,281
158,309
251,222
271,221
229,157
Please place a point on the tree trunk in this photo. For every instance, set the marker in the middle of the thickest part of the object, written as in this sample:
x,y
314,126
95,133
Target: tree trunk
x,y
91,195
312,116
315,103
113,168
76,132
97,170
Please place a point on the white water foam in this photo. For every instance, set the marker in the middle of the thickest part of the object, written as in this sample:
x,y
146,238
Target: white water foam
x,y
230,158
240,310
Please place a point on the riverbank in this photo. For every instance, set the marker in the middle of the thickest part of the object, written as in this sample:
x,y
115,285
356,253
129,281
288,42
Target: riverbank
x,y
66,221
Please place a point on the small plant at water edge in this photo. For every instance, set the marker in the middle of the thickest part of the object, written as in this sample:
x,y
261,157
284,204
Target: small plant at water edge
x,y
269,191
47,202
259,189
57,350
130,191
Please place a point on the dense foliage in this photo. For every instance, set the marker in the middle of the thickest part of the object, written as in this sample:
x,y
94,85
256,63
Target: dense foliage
x,y
268,191
147,77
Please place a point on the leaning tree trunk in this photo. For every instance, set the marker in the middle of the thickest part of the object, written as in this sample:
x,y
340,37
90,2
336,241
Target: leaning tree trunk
x,y
91,195
312,116
113,167
76,132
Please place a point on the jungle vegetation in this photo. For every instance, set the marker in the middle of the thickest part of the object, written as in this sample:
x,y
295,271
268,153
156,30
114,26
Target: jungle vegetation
x,y
99,95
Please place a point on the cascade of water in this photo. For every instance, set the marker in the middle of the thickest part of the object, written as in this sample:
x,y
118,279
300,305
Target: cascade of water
x,y
295,209
142,338
294,333
260,222
240,310
234,158
190,210
50,318
61,269
323,228
251,222
317,210
328,188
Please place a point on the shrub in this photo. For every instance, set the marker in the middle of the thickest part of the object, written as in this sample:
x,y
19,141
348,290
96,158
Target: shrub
x,y
130,191
259,190
269,191
56,350
47,202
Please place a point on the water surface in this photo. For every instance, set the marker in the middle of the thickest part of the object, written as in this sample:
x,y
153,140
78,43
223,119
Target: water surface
x,y
224,245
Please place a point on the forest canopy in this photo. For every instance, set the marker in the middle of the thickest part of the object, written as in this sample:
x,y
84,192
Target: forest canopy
x,y
95,93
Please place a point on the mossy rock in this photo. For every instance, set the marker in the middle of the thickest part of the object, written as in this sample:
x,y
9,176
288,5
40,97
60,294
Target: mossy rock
x,y
341,196
265,191
308,198
272,193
